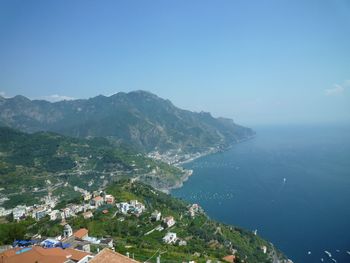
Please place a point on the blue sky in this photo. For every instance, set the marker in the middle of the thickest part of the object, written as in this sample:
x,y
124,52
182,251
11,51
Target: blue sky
x,y
258,62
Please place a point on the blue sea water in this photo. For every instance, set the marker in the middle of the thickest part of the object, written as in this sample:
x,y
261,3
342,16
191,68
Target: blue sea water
x,y
309,210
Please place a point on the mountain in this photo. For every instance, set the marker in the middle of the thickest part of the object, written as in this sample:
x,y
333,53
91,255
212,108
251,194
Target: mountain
x,y
33,164
139,119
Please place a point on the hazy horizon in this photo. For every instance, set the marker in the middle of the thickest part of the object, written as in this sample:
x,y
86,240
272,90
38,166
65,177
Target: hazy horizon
x,y
268,62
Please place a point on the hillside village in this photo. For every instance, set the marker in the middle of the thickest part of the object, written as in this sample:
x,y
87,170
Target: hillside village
x,y
130,218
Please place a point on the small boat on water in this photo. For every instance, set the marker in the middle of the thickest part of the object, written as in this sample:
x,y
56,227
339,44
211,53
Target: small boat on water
x,y
284,180
309,252
348,252
328,253
333,260
321,259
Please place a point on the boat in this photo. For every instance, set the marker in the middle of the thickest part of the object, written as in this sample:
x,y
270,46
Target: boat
x,y
309,252
328,253
284,180
348,252
321,259
333,260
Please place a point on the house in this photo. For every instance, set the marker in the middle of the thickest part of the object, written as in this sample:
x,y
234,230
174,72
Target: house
x,y
136,207
19,212
67,231
169,221
182,243
39,213
97,201
87,196
87,215
108,242
75,208
195,208
54,215
229,258
42,255
82,233
155,216
67,212
170,238
109,256
123,207
109,199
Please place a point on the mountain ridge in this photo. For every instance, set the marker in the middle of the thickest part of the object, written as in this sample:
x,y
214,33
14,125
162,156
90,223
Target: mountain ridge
x,y
139,118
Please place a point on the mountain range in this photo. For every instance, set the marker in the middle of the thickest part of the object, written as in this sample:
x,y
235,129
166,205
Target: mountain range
x,y
139,119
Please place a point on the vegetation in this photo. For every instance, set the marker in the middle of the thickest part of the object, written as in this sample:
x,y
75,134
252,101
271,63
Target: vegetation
x,y
139,119
32,164
206,239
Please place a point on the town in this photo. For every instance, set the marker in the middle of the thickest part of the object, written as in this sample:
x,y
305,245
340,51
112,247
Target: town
x,y
77,244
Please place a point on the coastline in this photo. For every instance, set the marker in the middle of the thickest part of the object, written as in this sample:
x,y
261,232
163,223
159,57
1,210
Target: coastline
x,y
189,172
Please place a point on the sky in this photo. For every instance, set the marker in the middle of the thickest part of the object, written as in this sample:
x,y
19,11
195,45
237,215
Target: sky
x,y
258,62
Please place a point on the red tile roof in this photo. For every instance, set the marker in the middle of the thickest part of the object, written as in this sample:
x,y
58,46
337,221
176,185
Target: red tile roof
x,y
98,198
229,258
109,256
42,255
81,233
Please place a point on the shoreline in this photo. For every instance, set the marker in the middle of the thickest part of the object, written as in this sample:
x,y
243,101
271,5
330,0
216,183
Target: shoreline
x,y
189,172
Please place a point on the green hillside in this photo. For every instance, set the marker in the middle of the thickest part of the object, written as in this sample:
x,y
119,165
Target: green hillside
x,y
139,119
206,239
32,164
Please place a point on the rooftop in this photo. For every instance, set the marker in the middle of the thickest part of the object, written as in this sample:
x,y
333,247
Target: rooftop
x,y
42,255
81,233
109,256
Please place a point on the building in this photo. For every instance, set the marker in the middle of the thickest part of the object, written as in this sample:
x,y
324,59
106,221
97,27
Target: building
x,y
88,214
155,216
19,212
67,212
39,213
108,242
38,254
109,256
169,221
67,231
87,196
109,199
123,207
229,258
170,238
54,215
194,209
136,207
82,233
97,201
182,243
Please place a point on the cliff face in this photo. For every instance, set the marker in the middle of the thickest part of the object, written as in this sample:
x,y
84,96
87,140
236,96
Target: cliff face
x,y
140,119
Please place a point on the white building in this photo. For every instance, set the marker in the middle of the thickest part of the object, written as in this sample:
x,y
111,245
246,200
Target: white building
x,y
18,212
109,199
169,221
54,215
123,207
156,215
67,212
170,238
182,243
67,231
87,196
39,213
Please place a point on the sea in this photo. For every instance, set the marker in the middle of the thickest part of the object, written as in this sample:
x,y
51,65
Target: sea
x,y
290,183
